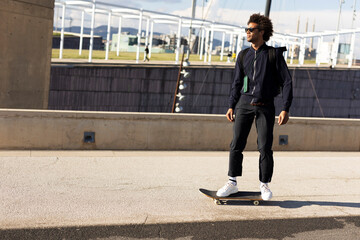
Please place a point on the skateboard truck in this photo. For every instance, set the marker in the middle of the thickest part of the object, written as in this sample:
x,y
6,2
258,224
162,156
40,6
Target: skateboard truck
x,y
221,202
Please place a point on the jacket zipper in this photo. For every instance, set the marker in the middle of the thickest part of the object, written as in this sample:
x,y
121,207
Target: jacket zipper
x,y
254,74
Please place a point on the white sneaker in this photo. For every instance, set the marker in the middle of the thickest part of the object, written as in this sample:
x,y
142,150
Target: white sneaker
x,y
226,190
266,193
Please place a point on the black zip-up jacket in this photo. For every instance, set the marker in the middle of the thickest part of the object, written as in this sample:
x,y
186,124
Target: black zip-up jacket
x,y
262,86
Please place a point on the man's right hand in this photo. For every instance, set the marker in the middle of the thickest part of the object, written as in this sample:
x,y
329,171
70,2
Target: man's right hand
x,y
230,115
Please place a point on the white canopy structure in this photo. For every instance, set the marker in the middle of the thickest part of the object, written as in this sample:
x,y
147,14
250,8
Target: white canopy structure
x,y
206,28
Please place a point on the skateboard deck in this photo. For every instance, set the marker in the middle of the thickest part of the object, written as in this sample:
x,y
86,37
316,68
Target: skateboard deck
x,y
255,197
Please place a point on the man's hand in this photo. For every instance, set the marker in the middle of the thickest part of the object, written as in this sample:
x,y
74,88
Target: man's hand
x,y
283,118
229,115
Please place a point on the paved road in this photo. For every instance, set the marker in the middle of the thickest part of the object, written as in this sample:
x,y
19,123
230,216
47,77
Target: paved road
x,y
154,195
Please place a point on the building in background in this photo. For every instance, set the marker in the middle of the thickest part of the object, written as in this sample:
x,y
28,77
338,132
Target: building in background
x,y
72,41
160,43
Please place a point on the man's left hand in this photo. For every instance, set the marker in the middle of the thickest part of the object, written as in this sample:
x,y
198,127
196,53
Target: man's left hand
x,y
283,118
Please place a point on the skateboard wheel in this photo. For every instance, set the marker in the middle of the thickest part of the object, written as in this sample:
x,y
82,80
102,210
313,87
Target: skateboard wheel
x,y
256,203
217,202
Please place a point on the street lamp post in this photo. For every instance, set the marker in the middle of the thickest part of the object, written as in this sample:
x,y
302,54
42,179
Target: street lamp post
x,y
193,9
267,8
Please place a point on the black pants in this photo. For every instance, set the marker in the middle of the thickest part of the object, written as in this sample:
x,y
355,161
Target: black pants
x,y
264,120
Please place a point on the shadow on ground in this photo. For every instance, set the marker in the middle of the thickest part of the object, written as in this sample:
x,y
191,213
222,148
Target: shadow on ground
x,y
258,229
296,204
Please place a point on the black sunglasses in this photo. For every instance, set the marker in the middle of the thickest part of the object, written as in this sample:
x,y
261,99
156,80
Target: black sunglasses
x,y
250,29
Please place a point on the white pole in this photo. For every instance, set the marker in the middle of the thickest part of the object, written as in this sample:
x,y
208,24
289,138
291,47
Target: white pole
x,y
62,31
292,53
318,53
238,44
352,47
231,42
222,46
334,50
151,37
338,24
56,18
352,43
241,40
139,37
202,43
178,42
108,37
81,33
206,45
335,47
234,43
354,14
286,53
302,51
199,42
211,43
147,33
118,38
91,46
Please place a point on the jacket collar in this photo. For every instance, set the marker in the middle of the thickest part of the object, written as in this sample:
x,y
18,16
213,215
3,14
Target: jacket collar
x,y
262,47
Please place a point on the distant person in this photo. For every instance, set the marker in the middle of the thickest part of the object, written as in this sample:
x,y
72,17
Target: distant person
x,y
260,73
146,54
233,57
229,56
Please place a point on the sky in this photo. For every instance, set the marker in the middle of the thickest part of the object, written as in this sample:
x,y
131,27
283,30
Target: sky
x,y
319,14
284,13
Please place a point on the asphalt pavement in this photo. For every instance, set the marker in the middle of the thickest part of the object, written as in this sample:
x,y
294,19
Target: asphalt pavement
x,y
154,195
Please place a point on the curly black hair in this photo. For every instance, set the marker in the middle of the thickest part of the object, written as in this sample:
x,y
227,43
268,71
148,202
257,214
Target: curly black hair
x,y
264,24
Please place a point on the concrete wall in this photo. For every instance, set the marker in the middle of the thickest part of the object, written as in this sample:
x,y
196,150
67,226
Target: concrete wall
x,y
25,50
64,130
147,88
73,42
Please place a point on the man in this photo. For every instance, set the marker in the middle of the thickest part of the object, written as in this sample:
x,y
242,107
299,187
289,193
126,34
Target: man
x,y
256,83
229,56
233,57
146,54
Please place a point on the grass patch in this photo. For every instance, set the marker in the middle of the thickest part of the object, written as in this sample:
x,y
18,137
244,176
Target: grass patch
x,y
100,54
58,34
306,61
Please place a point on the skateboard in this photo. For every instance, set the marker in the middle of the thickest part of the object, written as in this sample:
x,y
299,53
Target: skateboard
x,y
255,197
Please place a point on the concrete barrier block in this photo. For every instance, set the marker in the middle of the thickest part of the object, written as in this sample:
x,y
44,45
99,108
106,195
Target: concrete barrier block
x,y
35,130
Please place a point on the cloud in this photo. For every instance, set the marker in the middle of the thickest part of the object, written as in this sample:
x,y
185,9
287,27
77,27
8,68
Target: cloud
x,y
283,21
